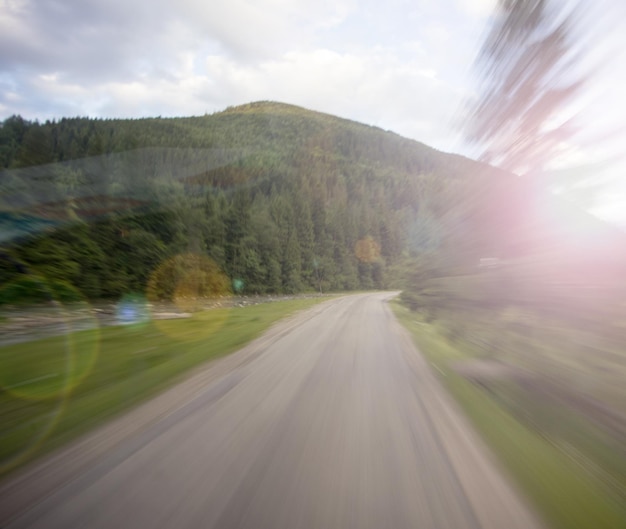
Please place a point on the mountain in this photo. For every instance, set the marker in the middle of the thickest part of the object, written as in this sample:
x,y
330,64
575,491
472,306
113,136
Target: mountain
x,y
277,197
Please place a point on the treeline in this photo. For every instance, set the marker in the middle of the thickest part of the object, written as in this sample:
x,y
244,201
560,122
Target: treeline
x,y
279,198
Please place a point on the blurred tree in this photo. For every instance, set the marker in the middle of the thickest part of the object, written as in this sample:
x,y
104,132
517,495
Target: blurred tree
x,y
12,132
37,147
526,67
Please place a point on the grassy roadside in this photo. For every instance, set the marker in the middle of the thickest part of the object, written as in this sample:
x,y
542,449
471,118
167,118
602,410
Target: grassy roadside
x,y
54,389
567,495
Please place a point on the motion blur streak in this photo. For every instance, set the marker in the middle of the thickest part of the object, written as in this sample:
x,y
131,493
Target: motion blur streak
x,y
335,422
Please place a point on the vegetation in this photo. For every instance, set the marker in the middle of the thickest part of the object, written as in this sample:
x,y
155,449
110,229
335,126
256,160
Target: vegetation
x,y
281,200
573,473
54,389
525,65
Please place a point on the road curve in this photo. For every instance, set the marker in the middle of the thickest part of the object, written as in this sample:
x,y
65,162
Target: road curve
x,y
336,421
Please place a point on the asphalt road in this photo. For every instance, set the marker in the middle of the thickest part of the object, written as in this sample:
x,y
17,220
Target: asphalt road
x,y
334,421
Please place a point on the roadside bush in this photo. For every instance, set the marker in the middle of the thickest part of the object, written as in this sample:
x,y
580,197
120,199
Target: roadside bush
x,y
33,289
25,290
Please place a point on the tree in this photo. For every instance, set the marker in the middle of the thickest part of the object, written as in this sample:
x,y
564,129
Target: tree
x,y
291,265
12,131
237,224
526,69
37,147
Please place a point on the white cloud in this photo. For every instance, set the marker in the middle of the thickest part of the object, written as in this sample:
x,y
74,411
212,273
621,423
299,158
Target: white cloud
x,y
377,88
481,8
260,29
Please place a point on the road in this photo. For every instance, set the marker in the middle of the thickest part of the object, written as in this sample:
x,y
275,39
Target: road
x,y
332,421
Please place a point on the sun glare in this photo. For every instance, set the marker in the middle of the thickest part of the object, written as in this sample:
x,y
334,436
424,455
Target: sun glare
x,y
574,224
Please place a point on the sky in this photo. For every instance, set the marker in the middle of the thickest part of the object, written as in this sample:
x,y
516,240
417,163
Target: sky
x,y
401,65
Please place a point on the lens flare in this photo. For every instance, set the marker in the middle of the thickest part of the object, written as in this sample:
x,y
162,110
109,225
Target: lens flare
x,y
238,285
195,290
35,372
45,373
367,250
132,309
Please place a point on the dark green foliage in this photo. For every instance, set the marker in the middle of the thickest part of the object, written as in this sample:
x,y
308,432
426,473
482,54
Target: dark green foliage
x,y
26,289
12,134
278,197
33,289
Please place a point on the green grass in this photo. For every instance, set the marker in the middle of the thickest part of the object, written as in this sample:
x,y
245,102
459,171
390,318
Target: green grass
x,y
563,491
55,389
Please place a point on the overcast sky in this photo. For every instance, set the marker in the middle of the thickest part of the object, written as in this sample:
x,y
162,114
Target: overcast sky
x,y
402,65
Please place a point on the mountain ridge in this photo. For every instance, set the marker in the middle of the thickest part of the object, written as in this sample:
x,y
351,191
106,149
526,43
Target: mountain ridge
x,y
278,196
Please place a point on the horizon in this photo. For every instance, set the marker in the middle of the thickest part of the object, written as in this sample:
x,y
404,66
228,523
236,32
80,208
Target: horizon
x,y
620,223
403,67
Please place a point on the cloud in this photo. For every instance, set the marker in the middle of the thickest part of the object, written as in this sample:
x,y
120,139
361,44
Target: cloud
x,y
481,8
376,88
85,41
253,29
395,65
82,38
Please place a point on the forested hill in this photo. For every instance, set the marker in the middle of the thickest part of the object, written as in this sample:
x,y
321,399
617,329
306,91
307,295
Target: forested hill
x,y
278,198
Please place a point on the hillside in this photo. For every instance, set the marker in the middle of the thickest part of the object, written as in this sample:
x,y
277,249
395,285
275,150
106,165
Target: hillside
x,y
280,198
275,197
